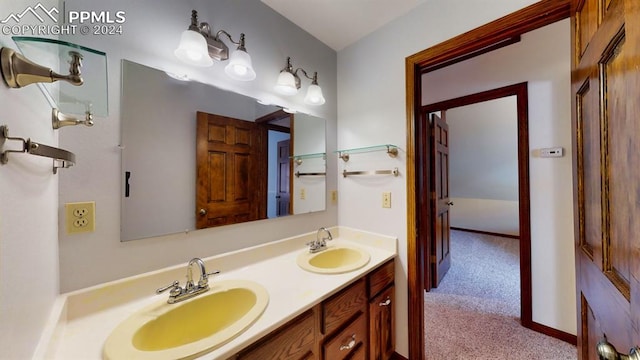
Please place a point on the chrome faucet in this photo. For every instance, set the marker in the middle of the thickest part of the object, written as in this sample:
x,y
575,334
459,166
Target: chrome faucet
x,y
321,242
190,289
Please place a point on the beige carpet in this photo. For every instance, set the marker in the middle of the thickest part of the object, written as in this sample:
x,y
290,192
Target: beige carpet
x,y
474,313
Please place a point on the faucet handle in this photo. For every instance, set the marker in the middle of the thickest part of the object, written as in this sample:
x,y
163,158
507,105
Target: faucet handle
x,y
175,284
205,278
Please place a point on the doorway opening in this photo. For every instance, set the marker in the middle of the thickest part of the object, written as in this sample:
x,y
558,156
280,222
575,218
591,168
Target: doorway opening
x,y
428,171
466,45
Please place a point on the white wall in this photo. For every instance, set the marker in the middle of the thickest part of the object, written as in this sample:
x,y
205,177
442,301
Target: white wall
x,y
543,59
28,216
483,166
371,85
494,216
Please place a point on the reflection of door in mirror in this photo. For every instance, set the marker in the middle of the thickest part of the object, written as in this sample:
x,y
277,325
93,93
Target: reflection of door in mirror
x,y
277,127
228,190
283,178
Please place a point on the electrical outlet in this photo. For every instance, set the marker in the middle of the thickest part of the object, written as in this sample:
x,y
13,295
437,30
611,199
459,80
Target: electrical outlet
x,y
334,197
303,194
80,217
386,199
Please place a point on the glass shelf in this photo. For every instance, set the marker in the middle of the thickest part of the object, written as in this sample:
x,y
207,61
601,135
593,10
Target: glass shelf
x,y
391,150
309,156
68,98
298,159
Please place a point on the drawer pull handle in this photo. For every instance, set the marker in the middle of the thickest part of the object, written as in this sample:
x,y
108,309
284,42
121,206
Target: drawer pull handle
x,y
386,302
350,345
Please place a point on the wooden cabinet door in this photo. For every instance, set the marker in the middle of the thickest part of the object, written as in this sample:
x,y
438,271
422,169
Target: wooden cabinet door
x,y
606,146
293,341
381,325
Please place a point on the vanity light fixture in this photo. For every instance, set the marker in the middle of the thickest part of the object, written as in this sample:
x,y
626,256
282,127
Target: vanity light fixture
x,y
289,83
199,47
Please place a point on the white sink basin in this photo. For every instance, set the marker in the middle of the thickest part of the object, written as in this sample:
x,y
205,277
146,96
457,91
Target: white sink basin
x,y
334,260
190,328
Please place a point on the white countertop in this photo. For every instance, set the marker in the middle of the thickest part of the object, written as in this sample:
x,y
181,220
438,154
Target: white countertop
x,y
82,320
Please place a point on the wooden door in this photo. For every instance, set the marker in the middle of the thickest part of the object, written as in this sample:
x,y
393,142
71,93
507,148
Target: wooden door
x,y
229,189
283,197
606,146
440,255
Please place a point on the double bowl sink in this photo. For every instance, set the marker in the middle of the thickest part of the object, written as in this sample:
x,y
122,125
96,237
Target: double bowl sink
x,y
196,326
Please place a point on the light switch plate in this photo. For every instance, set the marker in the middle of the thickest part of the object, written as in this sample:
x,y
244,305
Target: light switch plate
x,y
386,199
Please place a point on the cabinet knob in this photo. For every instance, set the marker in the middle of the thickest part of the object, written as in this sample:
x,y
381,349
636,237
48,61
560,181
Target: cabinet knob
x,y
202,212
386,302
350,345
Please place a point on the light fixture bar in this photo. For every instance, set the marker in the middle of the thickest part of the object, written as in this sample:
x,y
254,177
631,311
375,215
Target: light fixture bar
x,y
288,84
192,50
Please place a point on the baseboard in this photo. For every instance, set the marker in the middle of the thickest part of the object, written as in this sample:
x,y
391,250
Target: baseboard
x,y
486,233
397,356
555,333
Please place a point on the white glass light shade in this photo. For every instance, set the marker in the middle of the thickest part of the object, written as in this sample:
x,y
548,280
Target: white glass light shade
x,y
193,49
314,95
286,84
239,66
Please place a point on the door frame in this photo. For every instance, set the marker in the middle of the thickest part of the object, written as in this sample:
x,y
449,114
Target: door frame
x,y
466,45
524,218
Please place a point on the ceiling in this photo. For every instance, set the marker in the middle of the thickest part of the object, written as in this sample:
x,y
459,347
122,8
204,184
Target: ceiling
x,y
339,23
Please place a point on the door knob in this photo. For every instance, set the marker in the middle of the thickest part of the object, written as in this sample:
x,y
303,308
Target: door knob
x,y
606,351
202,212
450,203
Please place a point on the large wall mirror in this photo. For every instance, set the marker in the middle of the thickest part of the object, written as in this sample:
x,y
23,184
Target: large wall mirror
x,y
185,163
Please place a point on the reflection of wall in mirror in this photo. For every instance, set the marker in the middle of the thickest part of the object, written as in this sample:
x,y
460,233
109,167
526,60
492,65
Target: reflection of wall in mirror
x,y
158,134
309,192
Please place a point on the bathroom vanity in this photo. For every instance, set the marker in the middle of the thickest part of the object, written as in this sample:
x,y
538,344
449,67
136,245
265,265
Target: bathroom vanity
x,y
308,316
356,321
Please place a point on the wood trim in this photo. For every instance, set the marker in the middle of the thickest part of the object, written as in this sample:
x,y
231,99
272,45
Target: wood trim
x,y
539,14
535,16
397,356
415,248
555,333
276,115
486,233
490,48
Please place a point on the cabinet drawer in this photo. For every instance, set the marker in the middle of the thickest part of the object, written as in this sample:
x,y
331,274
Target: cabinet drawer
x,y
293,341
343,306
348,342
381,278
